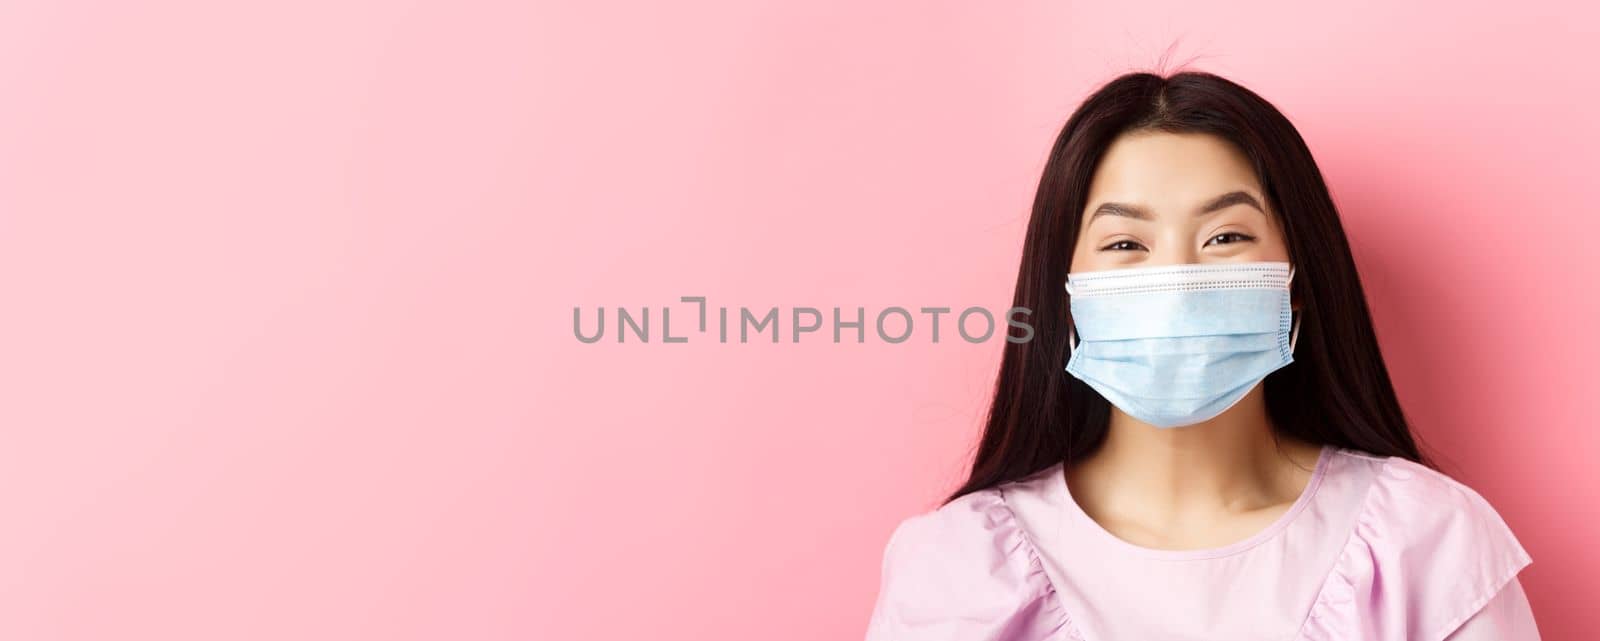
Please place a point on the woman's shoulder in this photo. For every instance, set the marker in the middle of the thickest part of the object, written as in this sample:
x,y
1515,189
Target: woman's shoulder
x,y
974,514
1428,551
974,534
1416,504
976,524
964,570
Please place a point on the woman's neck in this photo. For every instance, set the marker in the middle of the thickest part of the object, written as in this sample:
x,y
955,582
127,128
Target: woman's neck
x,y
1157,479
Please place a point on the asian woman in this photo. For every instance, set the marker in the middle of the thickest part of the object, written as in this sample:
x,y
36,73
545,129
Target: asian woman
x,y
1201,441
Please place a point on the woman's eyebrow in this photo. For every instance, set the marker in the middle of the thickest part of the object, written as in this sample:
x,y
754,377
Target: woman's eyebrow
x,y
1220,202
1230,199
1121,209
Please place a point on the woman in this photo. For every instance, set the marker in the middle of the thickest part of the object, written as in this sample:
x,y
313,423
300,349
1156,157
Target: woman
x,y
1201,441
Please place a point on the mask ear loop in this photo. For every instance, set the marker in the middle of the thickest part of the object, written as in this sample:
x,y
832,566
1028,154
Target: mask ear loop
x,y
1072,333
1294,335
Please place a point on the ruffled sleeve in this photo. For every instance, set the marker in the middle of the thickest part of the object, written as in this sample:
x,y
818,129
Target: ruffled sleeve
x,y
965,572
1427,555
1507,616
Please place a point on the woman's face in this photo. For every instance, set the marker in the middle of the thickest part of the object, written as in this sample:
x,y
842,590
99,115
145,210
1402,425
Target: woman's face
x,y
1169,199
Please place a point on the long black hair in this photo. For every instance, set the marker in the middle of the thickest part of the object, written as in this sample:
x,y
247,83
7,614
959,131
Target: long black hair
x,y
1337,392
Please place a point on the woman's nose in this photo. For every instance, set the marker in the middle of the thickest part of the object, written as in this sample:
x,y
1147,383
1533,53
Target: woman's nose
x,y
1174,251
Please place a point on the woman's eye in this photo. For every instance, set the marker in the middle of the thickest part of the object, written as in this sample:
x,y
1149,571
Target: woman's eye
x,y
1123,245
1229,237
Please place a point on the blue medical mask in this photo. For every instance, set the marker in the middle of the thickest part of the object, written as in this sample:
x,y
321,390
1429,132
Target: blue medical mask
x,y
1176,345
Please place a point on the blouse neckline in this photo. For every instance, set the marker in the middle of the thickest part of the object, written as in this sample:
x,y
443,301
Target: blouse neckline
x,y
1075,512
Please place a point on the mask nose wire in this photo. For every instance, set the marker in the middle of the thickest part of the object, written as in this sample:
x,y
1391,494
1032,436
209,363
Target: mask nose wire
x,y
1072,334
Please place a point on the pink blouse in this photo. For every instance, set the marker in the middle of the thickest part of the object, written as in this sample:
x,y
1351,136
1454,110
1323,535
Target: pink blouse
x,y
1374,549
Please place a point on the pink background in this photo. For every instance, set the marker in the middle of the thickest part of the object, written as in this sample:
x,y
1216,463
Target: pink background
x,y
288,288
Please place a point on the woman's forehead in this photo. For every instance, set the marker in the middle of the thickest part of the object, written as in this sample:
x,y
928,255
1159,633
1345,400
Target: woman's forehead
x,y
1166,172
